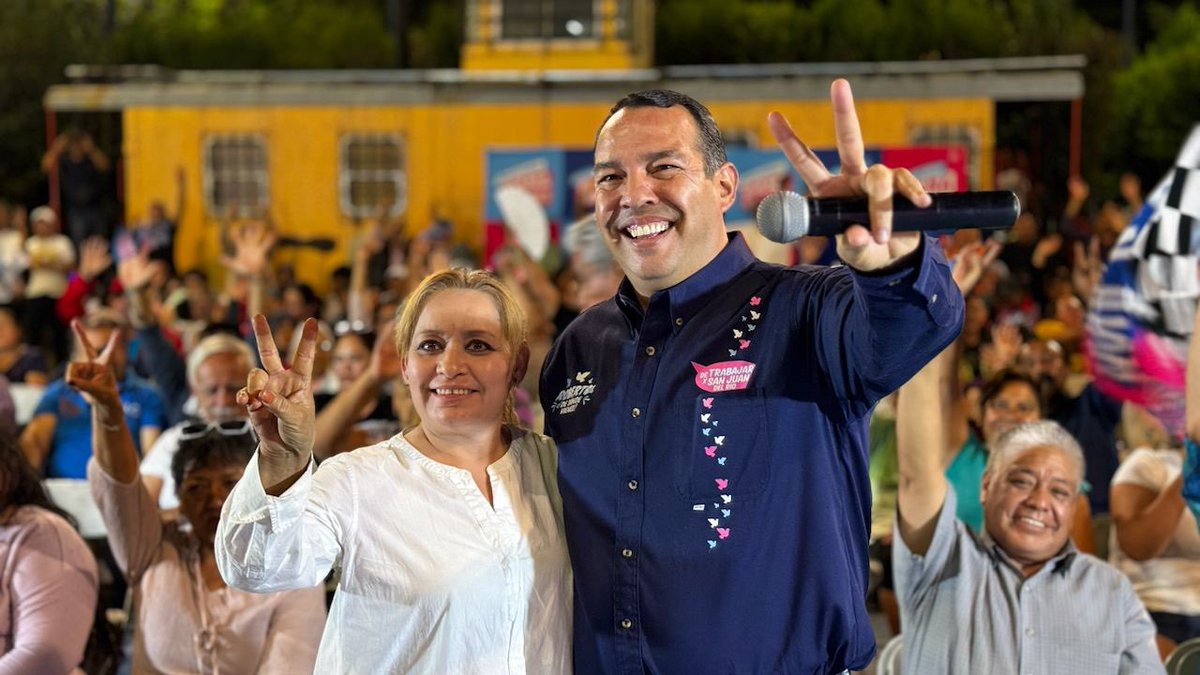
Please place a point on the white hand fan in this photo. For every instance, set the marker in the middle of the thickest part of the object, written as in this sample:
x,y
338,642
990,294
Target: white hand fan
x,y
525,219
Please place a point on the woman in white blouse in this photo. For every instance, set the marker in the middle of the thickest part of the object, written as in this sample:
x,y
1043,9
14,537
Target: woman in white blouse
x,y
449,536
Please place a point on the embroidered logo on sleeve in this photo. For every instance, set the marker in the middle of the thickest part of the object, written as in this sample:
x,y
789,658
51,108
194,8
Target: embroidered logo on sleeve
x,y
577,392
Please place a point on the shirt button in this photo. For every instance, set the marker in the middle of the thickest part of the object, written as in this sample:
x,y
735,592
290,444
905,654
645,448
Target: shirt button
x,y
1030,632
626,624
636,412
649,351
679,321
633,484
933,298
627,553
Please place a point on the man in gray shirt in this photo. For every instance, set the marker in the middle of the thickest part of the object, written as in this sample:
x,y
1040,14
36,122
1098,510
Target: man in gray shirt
x,y
1018,598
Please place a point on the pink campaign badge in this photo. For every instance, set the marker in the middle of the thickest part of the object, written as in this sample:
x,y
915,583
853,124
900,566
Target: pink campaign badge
x,y
723,376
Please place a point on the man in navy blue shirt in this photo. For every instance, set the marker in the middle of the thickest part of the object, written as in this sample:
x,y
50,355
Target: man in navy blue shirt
x,y
712,416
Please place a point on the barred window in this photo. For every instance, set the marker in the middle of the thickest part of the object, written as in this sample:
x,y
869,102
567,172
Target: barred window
x,y
372,174
541,19
235,174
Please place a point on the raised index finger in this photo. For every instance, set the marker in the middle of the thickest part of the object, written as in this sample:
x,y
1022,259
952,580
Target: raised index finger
x,y
810,167
307,349
849,136
268,352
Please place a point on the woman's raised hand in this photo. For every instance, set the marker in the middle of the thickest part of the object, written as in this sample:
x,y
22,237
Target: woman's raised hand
x,y
94,378
280,402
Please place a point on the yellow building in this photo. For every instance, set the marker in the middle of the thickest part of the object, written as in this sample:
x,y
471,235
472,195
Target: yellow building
x,y
319,149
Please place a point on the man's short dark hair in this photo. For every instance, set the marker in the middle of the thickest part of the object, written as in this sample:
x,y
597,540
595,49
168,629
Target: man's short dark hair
x,y
710,145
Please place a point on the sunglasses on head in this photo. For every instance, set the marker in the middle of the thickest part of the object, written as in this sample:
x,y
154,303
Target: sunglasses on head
x,y
225,428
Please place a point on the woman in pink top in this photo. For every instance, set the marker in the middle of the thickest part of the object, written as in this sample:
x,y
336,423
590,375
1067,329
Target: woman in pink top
x,y
47,576
188,620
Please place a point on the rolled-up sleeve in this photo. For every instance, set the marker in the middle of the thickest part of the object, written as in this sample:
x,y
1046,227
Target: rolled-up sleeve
x,y
915,574
266,544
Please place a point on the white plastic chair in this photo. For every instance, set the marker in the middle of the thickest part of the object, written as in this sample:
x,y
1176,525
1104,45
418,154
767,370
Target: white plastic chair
x,y
889,657
1185,660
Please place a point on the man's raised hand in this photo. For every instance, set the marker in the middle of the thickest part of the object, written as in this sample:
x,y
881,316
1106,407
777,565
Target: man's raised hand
x,y
859,247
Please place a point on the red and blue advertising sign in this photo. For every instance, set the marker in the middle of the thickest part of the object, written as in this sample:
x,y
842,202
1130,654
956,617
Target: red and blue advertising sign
x,y
561,179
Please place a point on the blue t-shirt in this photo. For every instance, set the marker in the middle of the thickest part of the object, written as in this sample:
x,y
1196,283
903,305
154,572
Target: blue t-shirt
x,y
965,475
713,460
71,446
1191,476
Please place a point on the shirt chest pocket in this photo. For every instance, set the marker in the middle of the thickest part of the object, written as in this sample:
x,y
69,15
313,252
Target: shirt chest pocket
x,y
726,451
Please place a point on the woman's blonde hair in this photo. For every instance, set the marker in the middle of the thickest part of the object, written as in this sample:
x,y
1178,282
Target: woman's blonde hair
x,y
512,317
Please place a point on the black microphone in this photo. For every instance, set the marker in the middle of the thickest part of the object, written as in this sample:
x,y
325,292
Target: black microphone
x,y
786,216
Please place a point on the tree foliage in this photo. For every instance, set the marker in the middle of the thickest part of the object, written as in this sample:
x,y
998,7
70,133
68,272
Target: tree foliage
x,y
36,43
1156,100
245,34
781,31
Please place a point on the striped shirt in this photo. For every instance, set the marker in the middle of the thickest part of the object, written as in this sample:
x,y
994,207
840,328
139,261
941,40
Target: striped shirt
x,y
966,608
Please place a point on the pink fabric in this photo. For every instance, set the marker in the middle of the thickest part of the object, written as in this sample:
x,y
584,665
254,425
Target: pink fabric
x,y
47,594
182,626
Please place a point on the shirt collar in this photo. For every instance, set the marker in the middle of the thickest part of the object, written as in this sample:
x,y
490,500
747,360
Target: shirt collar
x,y
689,296
1060,564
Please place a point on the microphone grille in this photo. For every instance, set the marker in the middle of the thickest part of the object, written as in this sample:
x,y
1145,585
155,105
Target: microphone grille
x,y
782,217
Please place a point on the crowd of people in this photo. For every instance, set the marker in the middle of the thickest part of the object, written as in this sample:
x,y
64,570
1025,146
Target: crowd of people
x,y
739,460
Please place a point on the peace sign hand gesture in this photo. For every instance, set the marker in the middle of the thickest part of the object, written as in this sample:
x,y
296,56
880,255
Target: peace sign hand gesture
x,y
868,246
280,402
94,378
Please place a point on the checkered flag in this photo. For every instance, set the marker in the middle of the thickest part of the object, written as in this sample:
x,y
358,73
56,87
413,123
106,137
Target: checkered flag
x,y
1142,316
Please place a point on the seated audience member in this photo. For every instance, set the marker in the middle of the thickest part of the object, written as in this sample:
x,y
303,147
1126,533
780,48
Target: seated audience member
x,y
216,369
51,256
1017,597
1008,399
153,343
448,537
58,440
19,362
13,261
362,413
1090,416
1155,542
48,577
188,620
1155,536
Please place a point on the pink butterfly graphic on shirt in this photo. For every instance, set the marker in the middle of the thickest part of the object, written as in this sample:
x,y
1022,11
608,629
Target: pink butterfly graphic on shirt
x,y
710,450
722,483
755,301
723,532
707,402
